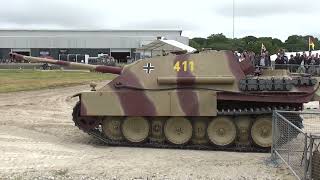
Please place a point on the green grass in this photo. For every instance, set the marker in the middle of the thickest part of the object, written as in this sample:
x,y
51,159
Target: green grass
x,y
22,80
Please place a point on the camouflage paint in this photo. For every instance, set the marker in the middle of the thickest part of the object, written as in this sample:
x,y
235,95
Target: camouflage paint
x,y
133,102
141,94
188,98
108,69
234,66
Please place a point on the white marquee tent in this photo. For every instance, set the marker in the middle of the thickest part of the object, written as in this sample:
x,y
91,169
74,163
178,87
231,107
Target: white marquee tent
x,y
158,46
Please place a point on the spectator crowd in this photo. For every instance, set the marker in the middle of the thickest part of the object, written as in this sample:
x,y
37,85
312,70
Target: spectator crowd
x,y
299,63
304,62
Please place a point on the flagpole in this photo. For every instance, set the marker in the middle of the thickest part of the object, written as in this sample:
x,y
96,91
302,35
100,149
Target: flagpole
x,y
309,44
233,19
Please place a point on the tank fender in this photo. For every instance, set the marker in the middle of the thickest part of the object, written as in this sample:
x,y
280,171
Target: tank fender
x,y
75,95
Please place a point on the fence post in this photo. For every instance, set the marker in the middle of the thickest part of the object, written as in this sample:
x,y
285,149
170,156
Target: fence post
x,y
288,142
274,119
310,157
305,161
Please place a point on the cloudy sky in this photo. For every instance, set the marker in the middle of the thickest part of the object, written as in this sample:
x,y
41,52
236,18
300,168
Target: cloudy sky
x,y
197,18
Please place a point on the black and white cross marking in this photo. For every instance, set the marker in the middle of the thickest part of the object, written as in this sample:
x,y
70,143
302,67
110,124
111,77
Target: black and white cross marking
x,y
148,68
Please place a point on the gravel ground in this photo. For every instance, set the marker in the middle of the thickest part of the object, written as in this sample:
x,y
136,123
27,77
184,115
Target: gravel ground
x,y
38,140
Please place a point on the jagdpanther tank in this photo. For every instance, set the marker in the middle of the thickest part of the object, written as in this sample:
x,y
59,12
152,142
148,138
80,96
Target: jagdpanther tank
x,y
205,100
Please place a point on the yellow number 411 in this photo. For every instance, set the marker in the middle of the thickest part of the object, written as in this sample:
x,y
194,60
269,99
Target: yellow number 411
x,y
186,65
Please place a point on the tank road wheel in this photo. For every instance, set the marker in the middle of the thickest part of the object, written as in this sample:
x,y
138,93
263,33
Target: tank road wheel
x,y
178,130
199,131
261,132
243,124
222,131
135,129
111,128
157,134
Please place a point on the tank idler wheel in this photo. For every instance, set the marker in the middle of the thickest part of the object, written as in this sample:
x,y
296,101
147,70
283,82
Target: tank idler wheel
x,y
243,124
84,122
199,131
222,131
135,129
261,132
87,123
157,134
111,128
178,130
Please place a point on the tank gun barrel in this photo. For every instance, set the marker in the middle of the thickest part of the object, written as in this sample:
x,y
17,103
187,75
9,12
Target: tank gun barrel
x,y
98,68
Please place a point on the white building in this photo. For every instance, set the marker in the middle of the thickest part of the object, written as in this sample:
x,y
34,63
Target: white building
x,y
73,43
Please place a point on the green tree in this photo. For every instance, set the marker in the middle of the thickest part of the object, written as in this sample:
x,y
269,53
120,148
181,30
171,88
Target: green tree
x,y
296,43
249,39
251,43
194,44
219,42
218,38
238,45
200,41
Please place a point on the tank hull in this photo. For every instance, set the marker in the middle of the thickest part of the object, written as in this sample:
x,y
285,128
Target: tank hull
x,y
243,116
206,100
178,102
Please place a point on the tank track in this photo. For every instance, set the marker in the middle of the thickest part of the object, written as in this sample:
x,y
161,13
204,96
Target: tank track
x,y
98,134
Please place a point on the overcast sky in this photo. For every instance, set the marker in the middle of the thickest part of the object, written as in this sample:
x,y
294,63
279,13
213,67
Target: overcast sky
x,y
197,18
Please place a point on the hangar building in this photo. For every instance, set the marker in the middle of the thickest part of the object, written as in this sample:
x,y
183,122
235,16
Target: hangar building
x,y
75,44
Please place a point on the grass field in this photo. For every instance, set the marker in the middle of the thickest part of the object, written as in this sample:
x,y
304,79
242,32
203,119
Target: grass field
x,y
22,80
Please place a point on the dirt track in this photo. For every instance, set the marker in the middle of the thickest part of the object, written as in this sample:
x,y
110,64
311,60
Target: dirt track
x,y
39,140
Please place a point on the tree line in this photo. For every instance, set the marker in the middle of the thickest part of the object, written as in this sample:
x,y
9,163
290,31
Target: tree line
x,y
250,43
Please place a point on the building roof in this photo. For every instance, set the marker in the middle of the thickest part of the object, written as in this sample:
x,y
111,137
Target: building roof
x,y
94,30
166,45
83,38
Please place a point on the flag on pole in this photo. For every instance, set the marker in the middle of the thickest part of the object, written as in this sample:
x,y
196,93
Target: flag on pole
x,y
311,43
263,48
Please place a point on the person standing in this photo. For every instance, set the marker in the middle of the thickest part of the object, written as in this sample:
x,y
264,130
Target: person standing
x,y
268,58
292,64
279,62
317,63
264,61
312,65
302,63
